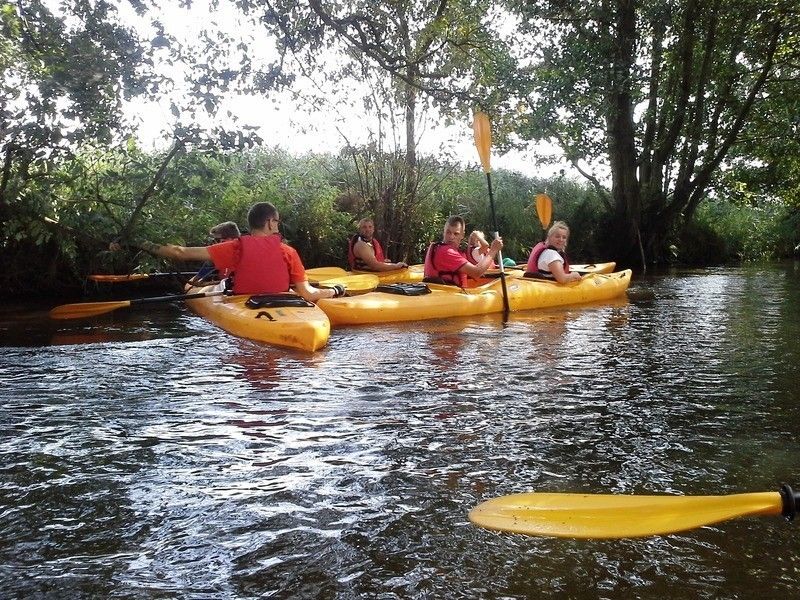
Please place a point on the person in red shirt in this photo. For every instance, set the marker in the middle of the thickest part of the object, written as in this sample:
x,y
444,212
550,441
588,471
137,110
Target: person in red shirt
x,y
445,262
365,253
261,262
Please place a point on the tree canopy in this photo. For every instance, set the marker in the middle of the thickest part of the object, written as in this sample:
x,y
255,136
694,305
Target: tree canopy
x,y
660,106
660,93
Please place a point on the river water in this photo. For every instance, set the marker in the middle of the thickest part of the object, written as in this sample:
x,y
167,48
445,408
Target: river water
x,y
146,454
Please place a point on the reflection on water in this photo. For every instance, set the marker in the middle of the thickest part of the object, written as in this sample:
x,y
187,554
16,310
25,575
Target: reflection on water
x,y
149,454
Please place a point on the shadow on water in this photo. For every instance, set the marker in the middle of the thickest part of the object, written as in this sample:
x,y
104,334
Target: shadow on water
x,y
148,454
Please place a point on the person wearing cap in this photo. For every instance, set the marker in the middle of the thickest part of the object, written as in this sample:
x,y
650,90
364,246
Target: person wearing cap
x,y
223,232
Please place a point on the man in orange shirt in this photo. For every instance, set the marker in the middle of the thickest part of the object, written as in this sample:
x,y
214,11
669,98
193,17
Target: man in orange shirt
x,y
261,262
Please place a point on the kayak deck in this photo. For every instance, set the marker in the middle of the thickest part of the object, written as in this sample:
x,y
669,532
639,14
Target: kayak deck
x,y
303,328
446,301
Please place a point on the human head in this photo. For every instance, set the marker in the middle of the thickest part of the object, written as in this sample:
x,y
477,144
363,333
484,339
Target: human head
x,y
366,228
454,230
476,238
225,231
558,235
260,214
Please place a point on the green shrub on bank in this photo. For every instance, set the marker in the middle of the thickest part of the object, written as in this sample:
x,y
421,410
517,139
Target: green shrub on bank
x,y
59,228
724,232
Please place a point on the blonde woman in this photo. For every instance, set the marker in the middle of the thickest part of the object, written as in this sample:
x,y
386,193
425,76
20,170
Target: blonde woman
x,y
548,259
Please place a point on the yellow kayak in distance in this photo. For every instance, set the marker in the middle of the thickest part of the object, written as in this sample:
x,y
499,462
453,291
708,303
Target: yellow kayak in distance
x,y
411,274
286,320
446,301
583,269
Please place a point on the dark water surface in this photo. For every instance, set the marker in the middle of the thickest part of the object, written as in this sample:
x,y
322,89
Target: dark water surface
x,y
145,454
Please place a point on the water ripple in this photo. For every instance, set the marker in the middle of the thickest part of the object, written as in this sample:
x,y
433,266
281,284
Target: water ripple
x,y
151,455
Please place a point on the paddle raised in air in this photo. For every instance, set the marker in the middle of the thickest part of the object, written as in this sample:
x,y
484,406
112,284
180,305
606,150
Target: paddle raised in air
x,y
606,516
482,131
544,209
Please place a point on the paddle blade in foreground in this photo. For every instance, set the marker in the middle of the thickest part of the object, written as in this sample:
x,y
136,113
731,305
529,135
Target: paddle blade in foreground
x,y
598,516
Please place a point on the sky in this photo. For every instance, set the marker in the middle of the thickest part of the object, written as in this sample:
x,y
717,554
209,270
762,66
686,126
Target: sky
x,y
284,122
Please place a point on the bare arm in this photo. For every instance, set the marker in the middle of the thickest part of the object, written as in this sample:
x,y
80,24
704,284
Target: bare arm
x,y
365,252
177,252
170,251
476,271
557,269
312,294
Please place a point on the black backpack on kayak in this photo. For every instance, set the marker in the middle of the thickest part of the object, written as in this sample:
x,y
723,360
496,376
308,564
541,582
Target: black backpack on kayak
x,y
277,301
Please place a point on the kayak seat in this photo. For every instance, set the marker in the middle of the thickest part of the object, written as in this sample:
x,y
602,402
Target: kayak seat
x,y
277,301
404,289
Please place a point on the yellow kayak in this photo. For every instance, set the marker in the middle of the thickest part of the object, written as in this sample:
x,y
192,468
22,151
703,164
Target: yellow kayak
x,y
281,319
607,267
583,269
321,274
409,275
446,301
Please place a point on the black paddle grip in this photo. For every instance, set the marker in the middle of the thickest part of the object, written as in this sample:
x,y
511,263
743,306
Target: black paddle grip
x,y
791,501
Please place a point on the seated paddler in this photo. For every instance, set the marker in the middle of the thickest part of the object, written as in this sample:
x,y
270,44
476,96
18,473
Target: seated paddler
x,y
261,262
365,252
548,259
445,262
219,233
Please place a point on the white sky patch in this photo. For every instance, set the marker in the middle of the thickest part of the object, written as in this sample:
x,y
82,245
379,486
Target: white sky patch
x,y
280,118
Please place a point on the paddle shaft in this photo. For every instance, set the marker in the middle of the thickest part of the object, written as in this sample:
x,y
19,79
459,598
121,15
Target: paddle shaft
x,y
174,298
90,309
499,254
138,276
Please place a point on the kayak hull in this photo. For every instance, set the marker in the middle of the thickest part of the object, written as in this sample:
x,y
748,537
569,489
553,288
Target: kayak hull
x,y
449,301
302,328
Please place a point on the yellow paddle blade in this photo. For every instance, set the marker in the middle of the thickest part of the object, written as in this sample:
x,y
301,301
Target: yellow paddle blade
x,y
322,273
86,309
119,278
590,516
138,276
544,209
482,131
354,284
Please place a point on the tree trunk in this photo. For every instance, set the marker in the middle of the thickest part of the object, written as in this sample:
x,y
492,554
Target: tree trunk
x,y
622,140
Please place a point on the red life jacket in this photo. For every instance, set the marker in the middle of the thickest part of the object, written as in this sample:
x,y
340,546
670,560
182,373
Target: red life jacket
x,y
356,263
470,256
262,267
434,275
532,267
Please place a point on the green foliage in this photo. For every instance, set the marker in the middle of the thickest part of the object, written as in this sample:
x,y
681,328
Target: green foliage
x,y
90,199
661,93
725,232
